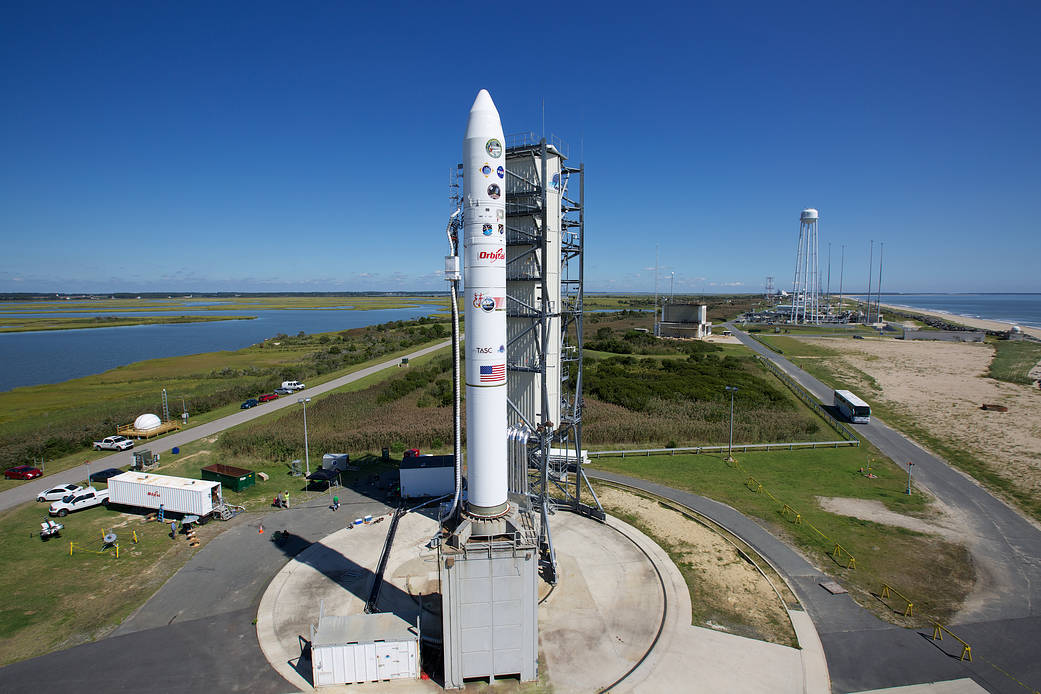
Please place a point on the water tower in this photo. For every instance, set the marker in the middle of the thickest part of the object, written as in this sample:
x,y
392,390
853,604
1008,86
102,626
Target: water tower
x,y
806,288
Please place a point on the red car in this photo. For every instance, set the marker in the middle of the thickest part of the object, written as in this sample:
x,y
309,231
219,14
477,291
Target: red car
x,y
267,397
22,472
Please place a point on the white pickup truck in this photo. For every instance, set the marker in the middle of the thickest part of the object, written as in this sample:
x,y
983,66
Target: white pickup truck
x,y
113,443
84,498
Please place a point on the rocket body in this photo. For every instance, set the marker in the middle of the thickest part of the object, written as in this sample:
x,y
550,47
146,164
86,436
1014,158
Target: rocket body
x,y
484,268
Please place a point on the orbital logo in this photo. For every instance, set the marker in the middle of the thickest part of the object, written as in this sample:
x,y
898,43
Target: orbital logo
x,y
493,255
488,303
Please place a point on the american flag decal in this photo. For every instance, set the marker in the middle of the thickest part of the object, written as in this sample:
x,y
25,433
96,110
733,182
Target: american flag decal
x,y
493,374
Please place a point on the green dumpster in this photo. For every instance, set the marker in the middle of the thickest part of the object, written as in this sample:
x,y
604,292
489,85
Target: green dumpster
x,y
230,477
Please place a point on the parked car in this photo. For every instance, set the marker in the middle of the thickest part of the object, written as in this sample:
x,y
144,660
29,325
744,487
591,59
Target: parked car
x,y
293,385
84,498
105,475
268,397
283,391
252,402
22,472
113,443
59,492
858,337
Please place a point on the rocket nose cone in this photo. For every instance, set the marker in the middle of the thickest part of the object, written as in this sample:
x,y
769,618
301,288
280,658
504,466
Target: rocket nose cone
x,y
483,102
484,118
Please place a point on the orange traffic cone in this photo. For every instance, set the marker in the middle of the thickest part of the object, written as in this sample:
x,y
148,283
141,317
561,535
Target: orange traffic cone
x,y
262,529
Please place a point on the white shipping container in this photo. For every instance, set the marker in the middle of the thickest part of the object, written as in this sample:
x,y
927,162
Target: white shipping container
x,y
335,461
176,494
363,648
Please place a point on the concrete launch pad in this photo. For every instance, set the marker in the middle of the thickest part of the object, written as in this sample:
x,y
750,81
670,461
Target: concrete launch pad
x,y
610,617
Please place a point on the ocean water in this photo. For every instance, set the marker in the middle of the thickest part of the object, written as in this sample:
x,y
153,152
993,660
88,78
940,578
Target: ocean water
x,y
1021,309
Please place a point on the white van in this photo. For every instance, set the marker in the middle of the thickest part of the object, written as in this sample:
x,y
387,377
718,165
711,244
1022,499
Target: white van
x,y
293,385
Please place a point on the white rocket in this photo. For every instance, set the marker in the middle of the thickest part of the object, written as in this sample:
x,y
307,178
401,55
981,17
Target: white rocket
x,y
484,264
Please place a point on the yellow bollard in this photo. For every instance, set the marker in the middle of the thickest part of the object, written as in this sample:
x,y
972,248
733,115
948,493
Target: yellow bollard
x,y
117,551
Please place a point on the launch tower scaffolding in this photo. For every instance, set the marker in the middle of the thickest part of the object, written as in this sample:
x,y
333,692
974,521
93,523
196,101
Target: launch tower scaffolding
x,y
545,234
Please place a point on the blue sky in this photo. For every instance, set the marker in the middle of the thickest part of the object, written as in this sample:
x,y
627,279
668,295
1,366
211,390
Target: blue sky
x,y
306,146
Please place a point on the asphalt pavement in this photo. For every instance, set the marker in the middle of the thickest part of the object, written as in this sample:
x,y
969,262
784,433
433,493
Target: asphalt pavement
x,y
28,491
1002,618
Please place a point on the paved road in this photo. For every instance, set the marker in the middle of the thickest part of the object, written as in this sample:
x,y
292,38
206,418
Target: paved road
x,y
1006,546
1002,616
863,652
28,491
197,633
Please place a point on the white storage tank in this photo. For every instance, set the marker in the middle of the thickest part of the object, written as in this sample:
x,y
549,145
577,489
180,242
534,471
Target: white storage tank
x,y
176,494
147,422
363,648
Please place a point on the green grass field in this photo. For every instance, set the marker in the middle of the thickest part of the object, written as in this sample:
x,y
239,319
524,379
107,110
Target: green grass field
x,y
58,421
936,573
57,322
1014,359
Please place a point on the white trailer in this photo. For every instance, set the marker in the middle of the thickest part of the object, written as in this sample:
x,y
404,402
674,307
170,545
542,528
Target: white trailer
x,y
175,494
427,475
363,648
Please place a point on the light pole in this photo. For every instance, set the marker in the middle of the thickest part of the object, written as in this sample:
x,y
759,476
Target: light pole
x,y
307,455
909,466
730,449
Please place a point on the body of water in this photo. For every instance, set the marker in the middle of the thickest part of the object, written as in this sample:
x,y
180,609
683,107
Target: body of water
x,y
1021,309
32,358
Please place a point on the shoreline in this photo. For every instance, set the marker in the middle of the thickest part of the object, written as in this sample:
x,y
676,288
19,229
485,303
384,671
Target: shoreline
x,y
980,323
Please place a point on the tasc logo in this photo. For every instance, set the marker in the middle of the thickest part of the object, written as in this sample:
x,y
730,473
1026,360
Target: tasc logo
x,y
493,255
483,350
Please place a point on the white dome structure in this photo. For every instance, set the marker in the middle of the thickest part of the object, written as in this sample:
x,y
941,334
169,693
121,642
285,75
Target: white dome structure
x,y
147,422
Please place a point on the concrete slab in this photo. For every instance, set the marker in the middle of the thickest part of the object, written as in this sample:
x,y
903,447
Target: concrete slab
x,y
621,611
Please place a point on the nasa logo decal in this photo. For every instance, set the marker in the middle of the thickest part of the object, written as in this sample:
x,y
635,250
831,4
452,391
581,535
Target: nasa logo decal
x,y
486,229
494,191
501,172
494,148
486,170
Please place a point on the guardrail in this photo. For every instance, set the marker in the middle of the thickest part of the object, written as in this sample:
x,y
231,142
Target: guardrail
x,y
887,590
966,649
811,401
740,448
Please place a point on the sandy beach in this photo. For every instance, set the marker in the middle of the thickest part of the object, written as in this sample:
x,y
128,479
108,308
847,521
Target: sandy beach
x,y
980,323
940,386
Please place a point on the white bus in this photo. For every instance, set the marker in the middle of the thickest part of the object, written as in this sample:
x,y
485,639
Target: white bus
x,y
852,407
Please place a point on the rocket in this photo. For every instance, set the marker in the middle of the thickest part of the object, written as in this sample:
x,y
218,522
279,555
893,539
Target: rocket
x,y
484,267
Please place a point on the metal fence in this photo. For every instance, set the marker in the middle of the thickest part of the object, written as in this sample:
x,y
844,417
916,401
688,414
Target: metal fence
x,y
811,401
739,448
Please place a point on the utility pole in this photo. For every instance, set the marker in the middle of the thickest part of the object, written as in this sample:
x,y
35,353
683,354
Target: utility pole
x,y
870,269
656,290
909,466
672,293
307,455
878,289
842,270
730,448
